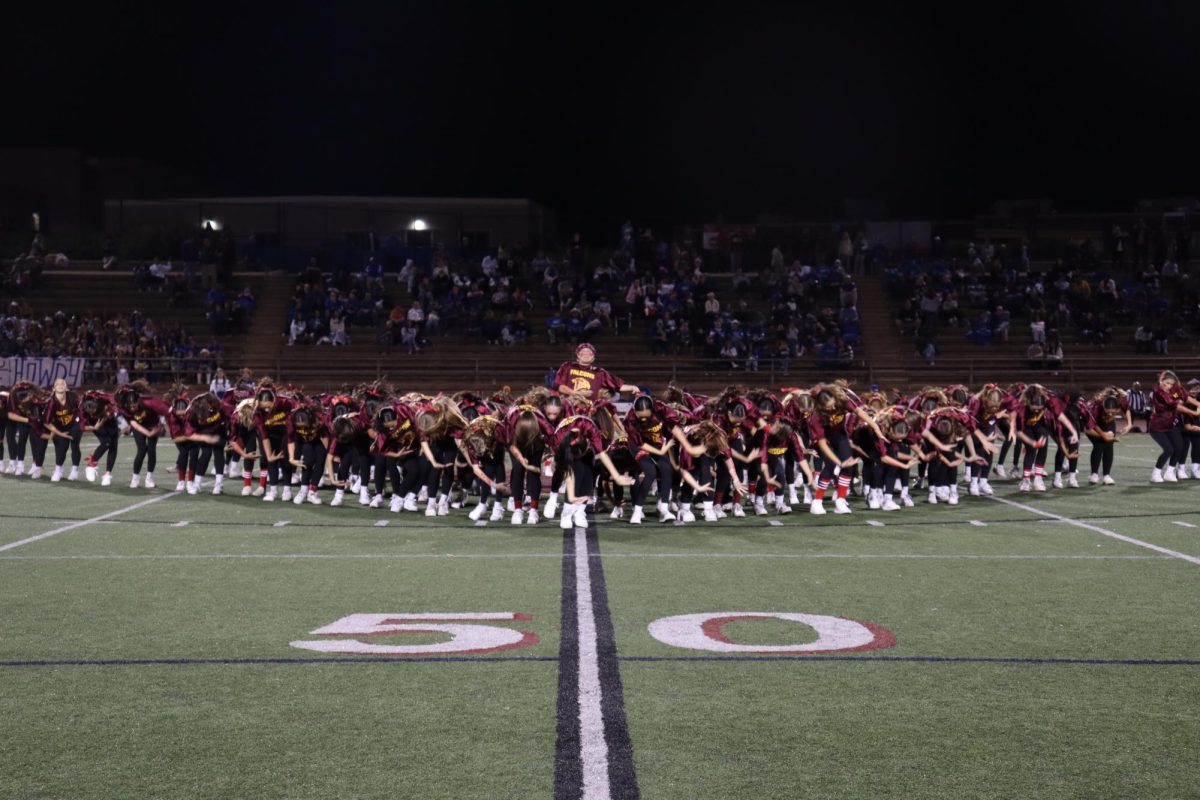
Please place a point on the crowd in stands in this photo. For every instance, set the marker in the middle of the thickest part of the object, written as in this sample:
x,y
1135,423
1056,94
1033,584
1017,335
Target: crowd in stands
x,y
117,346
1081,297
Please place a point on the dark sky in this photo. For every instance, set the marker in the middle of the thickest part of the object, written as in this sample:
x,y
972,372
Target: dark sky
x,y
670,112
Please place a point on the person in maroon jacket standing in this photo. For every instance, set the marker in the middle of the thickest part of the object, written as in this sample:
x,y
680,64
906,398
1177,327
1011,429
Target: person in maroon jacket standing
x,y
1169,403
62,419
582,379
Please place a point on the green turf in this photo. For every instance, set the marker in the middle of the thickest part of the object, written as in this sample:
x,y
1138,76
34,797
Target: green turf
x,y
231,584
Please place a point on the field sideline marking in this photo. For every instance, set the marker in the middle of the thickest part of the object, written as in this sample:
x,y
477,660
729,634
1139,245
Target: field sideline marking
x,y
1104,531
593,748
82,523
385,556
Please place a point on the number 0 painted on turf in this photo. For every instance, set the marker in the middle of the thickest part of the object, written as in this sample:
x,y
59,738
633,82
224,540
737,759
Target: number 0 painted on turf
x,y
834,634
467,635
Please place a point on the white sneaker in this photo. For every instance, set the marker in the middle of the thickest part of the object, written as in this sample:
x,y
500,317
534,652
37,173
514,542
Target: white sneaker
x,y
269,497
738,511
376,501
396,503
906,499
1094,478
1073,480
1169,475
551,505
73,475
135,481
106,479
808,495
295,479
817,507
21,468
301,495
710,512
781,506
314,498
1108,480
566,520
1181,472
431,507
410,502
510,505
287,493
889,504
89,472
760,507
873,501
497,511
636,517
193,487
1195,471
953,498
618,512
793,498
443,506
985,488
580,516
840,506
686,514
339,497
1000,471
423,495
532,517
664,513
518,516
218,482
1058,481
1025,485
1039,485
932,497
974,489
354,484
477,512
35,473
56,476
364,496
259,489
943,493
1156,476
150,480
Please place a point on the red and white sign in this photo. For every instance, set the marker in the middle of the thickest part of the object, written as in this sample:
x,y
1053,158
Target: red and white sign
x,y
467,635
706,632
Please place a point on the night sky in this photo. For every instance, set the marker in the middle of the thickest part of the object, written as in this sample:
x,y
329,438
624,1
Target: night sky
x,y
672,113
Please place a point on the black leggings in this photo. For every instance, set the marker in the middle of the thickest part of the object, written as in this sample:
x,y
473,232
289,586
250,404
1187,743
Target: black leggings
x,y
107,435
17,435
313,455
390,468
38,446
355,458
280,467
1036,457
1060,457
583,475
200,455
1171,443
183,457
654,468
147,449
703,471
493,467
526,483
439,480
841,448
1102,452
61,445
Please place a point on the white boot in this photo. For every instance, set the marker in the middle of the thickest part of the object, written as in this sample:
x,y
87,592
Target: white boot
x,y
339,496
636,517
808,495
551,505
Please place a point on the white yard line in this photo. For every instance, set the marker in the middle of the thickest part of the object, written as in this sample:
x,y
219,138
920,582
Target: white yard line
x,y
1097,529
592,746
417,556
84,522
1183,524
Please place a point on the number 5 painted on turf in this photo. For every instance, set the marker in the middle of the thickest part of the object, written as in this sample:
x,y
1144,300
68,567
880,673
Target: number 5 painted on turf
x,y
467,635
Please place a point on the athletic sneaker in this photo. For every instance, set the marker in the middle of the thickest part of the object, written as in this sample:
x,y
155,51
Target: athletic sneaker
x,y
1094,478
566,519
287,493
1181,472
738,511
1000,471
907,500
106,479
974,489
497,511
376,501
269,497
477,512
1058,481
218,482
89,472
532,517
618,512
873,501
1025,485
840,506
580,516
518,516
888,504
817,507
1073,480
760,508
35,473
443,506
985,488
1108,480
247,490
710,513
686,514
933,497
313,497
431,507
664,513
636,517
56,476
782,507
1039,485
551,505
1169,475
953,498
150,484
338,497
364,496
73,475
396,504
301,495
258,491
135,481
1196,471
410,502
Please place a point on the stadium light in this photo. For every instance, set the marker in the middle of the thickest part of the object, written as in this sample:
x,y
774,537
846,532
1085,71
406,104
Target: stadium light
x,y
211,224
418,225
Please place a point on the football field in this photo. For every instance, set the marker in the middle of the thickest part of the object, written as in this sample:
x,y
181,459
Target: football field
x,y
173,646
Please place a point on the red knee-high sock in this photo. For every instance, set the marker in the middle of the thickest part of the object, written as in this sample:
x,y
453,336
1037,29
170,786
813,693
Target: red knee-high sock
x,y
822,485
843,486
